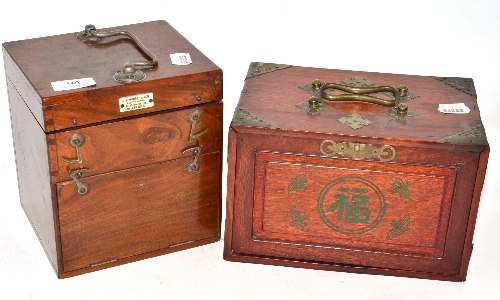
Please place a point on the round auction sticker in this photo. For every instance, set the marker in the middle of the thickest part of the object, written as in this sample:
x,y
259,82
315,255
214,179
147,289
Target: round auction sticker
x,y
351,205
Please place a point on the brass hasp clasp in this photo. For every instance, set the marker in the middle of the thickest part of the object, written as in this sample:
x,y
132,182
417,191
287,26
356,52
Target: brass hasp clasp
x,y
194,165
76,141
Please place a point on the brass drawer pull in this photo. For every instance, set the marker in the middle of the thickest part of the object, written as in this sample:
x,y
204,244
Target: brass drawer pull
x,y
76,141
129,73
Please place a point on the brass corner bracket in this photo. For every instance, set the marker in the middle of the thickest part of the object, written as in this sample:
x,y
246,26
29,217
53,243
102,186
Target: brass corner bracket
x,y
259,68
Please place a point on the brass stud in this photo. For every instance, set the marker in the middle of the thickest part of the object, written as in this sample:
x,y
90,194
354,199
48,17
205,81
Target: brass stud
x,y
316,84
402,109
313,103
403,89
129,69
75,121
198,97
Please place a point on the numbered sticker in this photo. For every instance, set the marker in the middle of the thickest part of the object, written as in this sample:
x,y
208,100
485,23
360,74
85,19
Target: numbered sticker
x,y
72,84
180,59
454,108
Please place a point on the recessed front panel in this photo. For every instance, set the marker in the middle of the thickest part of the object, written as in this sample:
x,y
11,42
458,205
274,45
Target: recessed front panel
x,y
336,203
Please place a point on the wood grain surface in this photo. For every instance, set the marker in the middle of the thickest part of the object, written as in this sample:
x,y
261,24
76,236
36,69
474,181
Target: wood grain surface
x,y
142,199
290,204
32,162
66,58
145,140
278,93
139,210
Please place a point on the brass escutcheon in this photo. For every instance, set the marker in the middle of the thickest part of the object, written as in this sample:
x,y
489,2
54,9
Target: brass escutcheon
x,y
330,148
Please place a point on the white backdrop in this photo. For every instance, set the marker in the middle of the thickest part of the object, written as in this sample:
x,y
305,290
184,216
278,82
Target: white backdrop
x,y
438,38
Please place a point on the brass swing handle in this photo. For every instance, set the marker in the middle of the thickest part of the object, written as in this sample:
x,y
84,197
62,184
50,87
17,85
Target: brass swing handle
x,y
129,73
358,94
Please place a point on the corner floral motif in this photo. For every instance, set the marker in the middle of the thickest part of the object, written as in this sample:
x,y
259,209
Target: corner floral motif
x,y
298,183
399,227
298,220
402,188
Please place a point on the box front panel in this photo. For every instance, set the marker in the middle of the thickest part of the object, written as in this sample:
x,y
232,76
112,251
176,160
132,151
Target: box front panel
x,y
322,199
140,185
139,210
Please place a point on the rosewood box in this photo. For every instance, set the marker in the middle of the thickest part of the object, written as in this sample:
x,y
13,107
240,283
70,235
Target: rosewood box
x,y
354,171
117,138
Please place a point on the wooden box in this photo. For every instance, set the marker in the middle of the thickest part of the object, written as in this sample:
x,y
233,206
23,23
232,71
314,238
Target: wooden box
x,y
115,172
318,178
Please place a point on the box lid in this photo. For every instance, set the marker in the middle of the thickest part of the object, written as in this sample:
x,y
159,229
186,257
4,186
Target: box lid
x,y
32,65
276,96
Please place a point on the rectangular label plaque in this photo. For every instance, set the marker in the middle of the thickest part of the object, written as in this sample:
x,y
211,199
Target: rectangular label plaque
x,y
136,102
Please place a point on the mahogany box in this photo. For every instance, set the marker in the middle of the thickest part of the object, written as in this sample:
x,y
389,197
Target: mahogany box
x,y
117,138
355,171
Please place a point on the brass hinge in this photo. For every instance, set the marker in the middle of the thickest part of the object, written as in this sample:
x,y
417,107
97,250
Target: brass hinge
x,y
104,262
180,244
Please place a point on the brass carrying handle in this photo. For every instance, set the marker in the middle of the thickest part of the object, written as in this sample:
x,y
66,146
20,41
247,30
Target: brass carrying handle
x,y
358,94
129,73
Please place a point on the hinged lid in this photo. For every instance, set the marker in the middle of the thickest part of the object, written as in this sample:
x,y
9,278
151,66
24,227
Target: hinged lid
x,y
418,108
32,65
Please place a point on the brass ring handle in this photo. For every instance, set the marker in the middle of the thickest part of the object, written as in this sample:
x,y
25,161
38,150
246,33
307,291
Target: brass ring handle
x,y
129,73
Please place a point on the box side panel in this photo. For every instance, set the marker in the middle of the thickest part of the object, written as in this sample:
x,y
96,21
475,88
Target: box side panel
x,y
231,174
31,154
24,88
478,187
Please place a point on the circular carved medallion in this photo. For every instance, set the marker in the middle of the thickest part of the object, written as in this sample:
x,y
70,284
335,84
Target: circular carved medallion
x,y
351,205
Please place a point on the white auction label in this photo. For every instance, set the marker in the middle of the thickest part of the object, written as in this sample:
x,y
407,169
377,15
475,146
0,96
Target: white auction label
x,y
454,108
72,84
136,102
180,59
